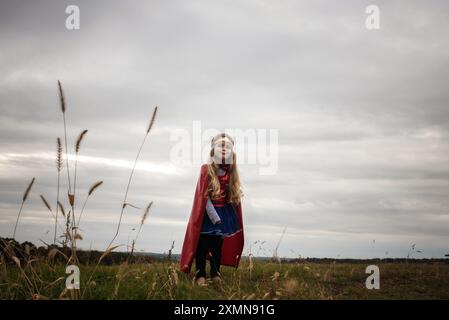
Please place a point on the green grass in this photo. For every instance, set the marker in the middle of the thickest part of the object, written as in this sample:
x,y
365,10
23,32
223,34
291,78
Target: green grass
x,y
266,280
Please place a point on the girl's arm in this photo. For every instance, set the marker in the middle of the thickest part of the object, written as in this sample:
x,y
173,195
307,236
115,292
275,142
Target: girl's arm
x,y
211,212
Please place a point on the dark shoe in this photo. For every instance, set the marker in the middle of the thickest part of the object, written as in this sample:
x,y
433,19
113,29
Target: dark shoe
x,y
216,279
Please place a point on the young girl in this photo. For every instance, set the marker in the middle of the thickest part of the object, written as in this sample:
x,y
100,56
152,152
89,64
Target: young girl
x,y
215,226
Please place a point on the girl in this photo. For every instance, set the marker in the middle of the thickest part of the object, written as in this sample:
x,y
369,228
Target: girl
x,y
215,226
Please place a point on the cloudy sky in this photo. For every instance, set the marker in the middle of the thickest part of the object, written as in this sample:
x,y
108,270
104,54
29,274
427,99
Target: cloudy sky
x,y
362,118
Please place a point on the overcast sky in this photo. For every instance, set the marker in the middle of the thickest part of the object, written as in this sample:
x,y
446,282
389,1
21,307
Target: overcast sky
x,y
362,118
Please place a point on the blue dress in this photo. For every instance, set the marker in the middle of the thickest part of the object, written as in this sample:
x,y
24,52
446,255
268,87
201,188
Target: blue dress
x,y
229,222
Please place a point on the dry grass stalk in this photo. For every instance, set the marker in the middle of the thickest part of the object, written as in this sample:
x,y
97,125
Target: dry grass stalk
x,y
170,250
142,221
275,252
58,154
94,186
250,266
78,141
52,253
153,117
71,199
51,211
145,214
46,203
108,251
24,198
77,149
91,190
63,109
58,168
71,195
61,97
130,205
61,207
67,224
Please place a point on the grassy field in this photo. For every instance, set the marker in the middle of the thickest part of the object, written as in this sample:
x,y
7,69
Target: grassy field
x,y
30,272
256,280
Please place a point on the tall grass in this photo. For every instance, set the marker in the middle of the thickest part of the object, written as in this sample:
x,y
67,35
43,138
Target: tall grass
x,y
24,198
70,232
70,195
89,193
58,169
47,204
275,251
110,247
142,221
74,229
153,118
63,109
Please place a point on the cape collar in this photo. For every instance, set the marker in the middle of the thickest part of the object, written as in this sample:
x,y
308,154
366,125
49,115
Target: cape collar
x,y
224,166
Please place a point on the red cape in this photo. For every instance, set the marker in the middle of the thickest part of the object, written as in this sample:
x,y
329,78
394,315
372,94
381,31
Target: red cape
x,y
232,246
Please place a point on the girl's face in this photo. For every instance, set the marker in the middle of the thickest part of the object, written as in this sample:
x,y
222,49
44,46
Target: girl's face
x,y
223,151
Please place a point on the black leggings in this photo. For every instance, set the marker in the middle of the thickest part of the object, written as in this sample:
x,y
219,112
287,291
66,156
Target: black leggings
x,y
214,243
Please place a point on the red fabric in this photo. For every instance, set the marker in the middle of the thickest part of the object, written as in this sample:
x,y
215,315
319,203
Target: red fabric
x,y
232,246
222,199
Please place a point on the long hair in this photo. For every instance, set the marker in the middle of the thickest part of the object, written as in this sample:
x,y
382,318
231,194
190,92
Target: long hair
x,y
234,189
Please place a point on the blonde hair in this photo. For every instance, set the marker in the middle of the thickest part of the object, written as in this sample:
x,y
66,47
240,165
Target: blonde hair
x,y
234,188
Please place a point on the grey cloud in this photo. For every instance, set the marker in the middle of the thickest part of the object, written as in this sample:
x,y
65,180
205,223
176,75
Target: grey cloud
x,y
362,115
